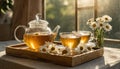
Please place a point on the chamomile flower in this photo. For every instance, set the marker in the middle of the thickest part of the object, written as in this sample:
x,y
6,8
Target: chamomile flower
x,y
93,25
52,49
107,18
81,48
107,27
44,49
100,19
90,46
90,21
101,25
63,51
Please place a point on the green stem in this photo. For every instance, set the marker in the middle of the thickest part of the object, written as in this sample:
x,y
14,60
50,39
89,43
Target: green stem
x,y
99,37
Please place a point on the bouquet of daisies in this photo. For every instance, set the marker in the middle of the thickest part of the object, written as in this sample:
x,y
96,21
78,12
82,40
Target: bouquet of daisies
x,y
99,26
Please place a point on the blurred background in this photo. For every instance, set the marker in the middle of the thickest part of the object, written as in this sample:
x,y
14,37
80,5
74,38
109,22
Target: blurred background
x,y
62,12
71,15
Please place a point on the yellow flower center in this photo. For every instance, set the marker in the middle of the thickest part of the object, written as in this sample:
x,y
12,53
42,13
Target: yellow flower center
x,y
101,25
106,18
64,52
94,25
89,48
107,27
89,21
44,50
52,49
81,48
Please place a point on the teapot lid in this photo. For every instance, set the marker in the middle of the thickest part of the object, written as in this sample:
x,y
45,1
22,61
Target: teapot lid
x,y
37,22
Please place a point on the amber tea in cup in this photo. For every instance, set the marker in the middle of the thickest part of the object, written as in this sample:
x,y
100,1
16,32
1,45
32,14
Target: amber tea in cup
x,y
34,41
85,36
37,33
69,39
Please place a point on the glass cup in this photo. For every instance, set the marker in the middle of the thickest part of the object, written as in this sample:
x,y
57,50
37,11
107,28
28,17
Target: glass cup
x,y
69,39
85,36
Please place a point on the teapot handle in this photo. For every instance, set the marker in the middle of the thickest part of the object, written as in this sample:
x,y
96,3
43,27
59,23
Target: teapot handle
x,y
20,26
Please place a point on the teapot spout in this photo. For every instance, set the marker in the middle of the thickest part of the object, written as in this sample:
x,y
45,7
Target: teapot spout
x,y
56,29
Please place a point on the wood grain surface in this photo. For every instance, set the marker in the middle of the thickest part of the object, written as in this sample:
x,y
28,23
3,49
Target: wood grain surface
x,y
20,50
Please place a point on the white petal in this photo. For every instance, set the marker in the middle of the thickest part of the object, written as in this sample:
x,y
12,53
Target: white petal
x,y
82,48
107,18
90,21
90,45
63,51
44,49
94,25
101,25
100,19
52,49
107,27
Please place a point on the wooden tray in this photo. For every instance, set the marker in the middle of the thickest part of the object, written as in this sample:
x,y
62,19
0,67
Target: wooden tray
x,y
20,50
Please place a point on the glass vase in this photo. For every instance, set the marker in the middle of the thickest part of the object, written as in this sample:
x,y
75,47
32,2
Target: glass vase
x,y
99,38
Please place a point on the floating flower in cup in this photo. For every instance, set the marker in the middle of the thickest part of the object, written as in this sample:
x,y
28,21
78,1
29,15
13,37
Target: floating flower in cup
x,y
37,33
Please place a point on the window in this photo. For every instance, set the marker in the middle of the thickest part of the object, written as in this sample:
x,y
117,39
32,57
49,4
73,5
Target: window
x,y
85,10
111,8
61,12
73,14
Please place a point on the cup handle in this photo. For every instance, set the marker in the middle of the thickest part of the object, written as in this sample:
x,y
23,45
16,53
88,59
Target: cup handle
x,y
20,26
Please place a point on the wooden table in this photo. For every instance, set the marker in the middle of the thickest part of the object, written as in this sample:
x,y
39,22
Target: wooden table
x,y
110,60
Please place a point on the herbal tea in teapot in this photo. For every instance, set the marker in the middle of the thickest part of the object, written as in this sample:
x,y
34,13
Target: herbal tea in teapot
x,y
37,33
35,40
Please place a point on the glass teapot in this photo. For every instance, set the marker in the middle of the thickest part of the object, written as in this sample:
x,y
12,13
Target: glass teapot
x,y
37,33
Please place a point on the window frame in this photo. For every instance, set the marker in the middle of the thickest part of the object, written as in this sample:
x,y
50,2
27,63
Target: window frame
x,y
95,6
